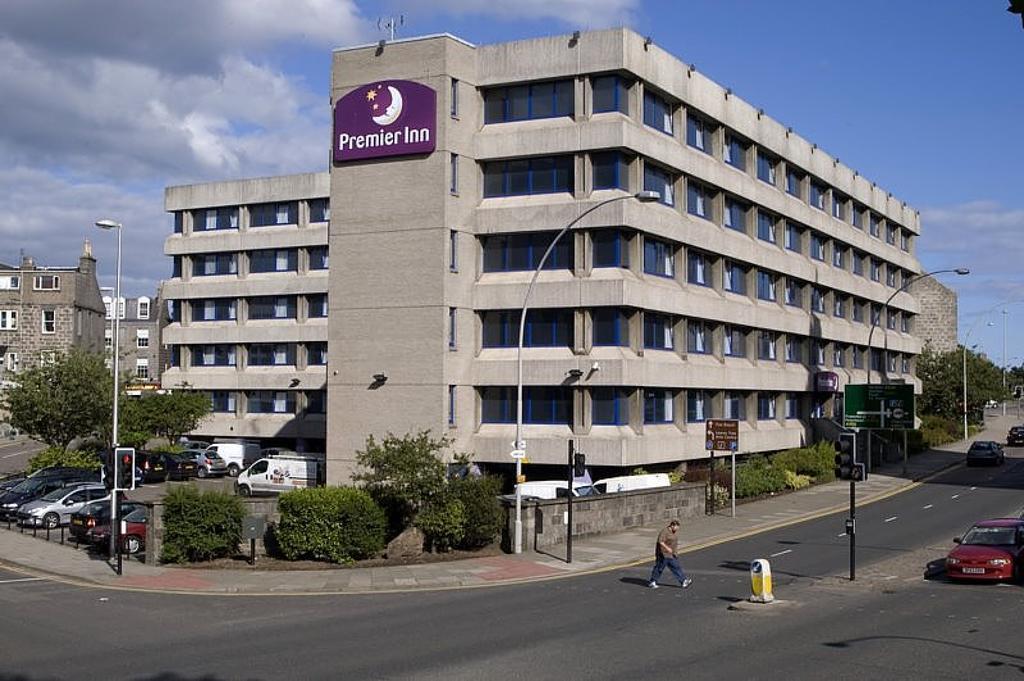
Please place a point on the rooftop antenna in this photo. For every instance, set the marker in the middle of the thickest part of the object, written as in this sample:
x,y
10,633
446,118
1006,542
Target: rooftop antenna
x,y
389,24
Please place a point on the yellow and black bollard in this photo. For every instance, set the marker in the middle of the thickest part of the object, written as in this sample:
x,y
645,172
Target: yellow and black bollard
x,y
761,582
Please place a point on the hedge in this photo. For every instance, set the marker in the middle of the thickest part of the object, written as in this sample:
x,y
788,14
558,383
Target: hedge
x,y
200,526
757,476
484,516
816,461
336,524
55,456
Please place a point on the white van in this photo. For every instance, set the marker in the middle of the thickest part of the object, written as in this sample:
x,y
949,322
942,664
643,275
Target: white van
x,y
273,475
627,483
552,489
237,455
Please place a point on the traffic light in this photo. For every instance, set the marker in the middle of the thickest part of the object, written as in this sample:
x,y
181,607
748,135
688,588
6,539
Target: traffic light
x,y
124,462
847,467
107,473
579,464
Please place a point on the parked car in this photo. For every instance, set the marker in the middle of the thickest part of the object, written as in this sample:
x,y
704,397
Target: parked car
x,y
208,464
32,488
94,514
990,550
626,483
1015,436
237,455
68,473
152,465
55,508
193,444
553,489
133,538
180,466
278,474
985,451
8,483
992,404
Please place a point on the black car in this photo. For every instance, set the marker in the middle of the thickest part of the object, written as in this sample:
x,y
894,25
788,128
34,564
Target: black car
x,y
96,514
985,451
152,465
180,466
1015,436
8,483
31,489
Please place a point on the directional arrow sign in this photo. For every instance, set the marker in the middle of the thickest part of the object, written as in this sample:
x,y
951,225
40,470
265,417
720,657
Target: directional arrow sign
x,y
518,454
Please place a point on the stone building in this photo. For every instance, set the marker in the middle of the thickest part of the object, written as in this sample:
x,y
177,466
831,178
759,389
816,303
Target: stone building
x,y
936,323
141,352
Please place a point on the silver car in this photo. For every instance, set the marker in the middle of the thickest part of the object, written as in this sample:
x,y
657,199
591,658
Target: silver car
x,y
208,464
55,508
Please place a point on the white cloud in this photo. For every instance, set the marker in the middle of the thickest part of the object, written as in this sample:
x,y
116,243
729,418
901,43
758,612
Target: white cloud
x,y
584,13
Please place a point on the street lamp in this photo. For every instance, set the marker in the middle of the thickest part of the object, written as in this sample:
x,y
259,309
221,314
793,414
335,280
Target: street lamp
x,y
108,225
964,377
519,444
1005,314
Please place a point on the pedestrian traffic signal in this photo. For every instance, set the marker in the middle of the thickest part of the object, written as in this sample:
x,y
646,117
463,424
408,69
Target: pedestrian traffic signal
x,y
107,473
579,465
124,462
847,467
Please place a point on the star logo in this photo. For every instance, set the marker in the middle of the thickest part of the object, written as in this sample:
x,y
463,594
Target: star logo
x,y
371,95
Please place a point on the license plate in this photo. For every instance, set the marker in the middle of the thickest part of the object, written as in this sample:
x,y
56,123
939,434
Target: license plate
x,y
77,521
974,571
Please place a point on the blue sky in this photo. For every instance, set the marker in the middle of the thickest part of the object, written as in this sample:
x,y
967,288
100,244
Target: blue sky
x,y
108,102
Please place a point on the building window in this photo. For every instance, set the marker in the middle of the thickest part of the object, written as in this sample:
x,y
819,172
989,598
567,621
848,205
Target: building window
x,y
541,175
890,275
659,258
765,226
610,406
453,251
316,305
794,293
544,328
858,358
876,359
765,285
214,264
46,282
658,332
856,216
524,102
817,246
838,256
857,262
453,174
142,368
179,221
906,365
875,223
211,219
8,320
318,258
213,310
734,342
892,357
765,168
904,241
49,321
272,307
142,308
611,170
698,133
734,278
734,405
176,267
792,407
270,260
838,355
270,402
857,310
173,356
838,305
610,248
10,283
817,195
657,112
794,180
735,216
890,235
890,319
766,345
905,322
541,404
735,152
611,93
451,406
271,354
453,328
222,401
838,206
794,236
658,405
697,333
453,105
610,327
698,403
698,200
698,267
817,299
794,349
876,270
319,210
818,352
173,311
270,214
213,355
316,353
142,338
658,180
766,406
522,252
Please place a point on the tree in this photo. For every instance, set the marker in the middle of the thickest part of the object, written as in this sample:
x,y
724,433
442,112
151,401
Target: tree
x,y
169,415
403,474
942,383
56,403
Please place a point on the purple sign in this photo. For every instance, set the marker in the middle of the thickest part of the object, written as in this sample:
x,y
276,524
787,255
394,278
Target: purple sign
x,y
385,118
826,382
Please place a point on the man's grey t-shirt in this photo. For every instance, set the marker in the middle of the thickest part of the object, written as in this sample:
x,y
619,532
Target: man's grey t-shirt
x,y
669,538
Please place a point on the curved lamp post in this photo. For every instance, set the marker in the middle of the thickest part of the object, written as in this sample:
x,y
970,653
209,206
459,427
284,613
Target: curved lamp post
x,y
108,225
519,444
967,337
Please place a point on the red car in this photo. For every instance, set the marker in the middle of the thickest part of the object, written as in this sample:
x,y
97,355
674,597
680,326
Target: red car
x,y
133,539
990,550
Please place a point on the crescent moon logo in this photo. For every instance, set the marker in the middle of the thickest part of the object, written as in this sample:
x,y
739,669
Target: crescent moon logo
x,y
394,109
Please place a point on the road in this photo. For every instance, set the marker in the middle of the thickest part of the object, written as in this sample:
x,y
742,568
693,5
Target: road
x,y
14,454
890,623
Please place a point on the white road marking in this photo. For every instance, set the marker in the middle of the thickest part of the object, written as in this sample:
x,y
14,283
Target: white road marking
x,y
11,456
889,520
841,534
781,553
926,507
955,496
22,579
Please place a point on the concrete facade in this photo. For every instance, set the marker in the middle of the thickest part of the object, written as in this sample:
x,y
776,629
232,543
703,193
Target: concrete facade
x,y
45,311
246,309
414,293
936,323
141,355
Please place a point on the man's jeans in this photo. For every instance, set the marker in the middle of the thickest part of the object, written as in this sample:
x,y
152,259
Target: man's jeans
x,y
661,561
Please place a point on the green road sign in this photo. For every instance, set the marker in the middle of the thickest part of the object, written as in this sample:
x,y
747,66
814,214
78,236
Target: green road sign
x,y
879,406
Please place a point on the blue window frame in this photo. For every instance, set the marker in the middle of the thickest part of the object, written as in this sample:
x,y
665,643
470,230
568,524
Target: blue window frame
x,y
904,241
522,252
222,401
658,258
766,406
876,270
734,342
179,221
319,258
794,292
520,177
857,355
550,99
611,93
214,264
610,406
610,327
838,256
857,311
698,337
211,219
794,237
611,248
794,180
765,226
274,260
838,306
818,352
658,180
316,305
817,299
735,152
272,307
698,133
222,355
817,195
857,263
541,404
316,353
658,331
698,406
176,267
316,402
734,405
838,355
794,349
658,405
213,310
270,402
268,214
890,235
611,170
271,354
766,168
875,223
905,322
817,246
765,285
319,210
698,200
544,328
698,268
735,216
734,278
657,112
173,310
856,216
766,345
838,206
792,406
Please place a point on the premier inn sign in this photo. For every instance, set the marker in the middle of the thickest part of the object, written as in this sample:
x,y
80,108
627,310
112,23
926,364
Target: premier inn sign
x,y
385,118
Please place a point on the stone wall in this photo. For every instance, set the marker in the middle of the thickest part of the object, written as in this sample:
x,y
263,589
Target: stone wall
x,y
544,521
265,506
936,324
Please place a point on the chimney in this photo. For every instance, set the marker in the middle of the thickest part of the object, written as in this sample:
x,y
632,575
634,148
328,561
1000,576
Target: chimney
x,y
28,262
87,263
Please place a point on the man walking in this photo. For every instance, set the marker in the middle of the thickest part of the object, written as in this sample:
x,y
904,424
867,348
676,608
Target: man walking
x,y
665,554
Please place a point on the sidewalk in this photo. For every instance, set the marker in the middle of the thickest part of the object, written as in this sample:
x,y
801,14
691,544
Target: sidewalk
x,y
590,554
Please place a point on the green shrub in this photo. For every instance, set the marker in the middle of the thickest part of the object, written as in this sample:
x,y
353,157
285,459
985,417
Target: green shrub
x,y
55,456
816,461
443,521
200,526
757,476
675,477
484,516
938,430
796,480
337,524
722,496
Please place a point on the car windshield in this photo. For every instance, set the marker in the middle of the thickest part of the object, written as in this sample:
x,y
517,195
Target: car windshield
x,y
982,446
136,516
990,536
55,495
28,486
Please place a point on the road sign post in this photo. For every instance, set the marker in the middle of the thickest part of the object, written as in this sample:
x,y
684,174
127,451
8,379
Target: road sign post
x,y
722,435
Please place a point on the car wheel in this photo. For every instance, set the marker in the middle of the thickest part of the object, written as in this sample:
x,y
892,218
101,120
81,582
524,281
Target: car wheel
x,y
244,491
132,544
233,470
51,520
202,472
